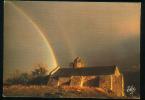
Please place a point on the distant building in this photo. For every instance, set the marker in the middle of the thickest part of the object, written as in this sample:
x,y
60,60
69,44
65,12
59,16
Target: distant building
x,y
108,78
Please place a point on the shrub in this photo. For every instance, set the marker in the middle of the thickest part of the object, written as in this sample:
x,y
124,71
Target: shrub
x,y
37,76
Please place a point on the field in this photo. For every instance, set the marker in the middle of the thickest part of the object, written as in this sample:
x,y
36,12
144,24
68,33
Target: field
x,y
56,92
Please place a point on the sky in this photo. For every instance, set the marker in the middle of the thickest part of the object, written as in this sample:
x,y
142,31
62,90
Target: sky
x,y
54,33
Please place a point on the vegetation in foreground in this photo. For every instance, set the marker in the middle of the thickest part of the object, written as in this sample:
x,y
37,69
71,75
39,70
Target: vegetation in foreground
x,y
56,92
38,76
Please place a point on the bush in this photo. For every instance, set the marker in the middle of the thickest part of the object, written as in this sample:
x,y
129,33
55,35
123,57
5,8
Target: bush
x,y
36,77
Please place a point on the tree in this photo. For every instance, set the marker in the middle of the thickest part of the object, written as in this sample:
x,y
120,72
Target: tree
x,y
39,75
39,70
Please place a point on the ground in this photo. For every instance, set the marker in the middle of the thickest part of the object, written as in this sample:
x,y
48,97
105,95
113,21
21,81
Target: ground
x,y
55,92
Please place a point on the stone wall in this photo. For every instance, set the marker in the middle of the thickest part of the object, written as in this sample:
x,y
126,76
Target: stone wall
x,y
92,81
105,82
118,85
110,83
77,81
64,81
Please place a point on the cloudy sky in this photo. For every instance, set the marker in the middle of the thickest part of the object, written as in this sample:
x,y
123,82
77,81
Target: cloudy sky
x,y
54,33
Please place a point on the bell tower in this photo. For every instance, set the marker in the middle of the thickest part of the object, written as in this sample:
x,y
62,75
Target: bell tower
x,y
78,63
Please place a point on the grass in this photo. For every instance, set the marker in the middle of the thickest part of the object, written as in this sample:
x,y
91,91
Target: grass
x,y
54,92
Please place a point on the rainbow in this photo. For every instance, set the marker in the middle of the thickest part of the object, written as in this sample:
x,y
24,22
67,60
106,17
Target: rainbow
x,y
71,50
40,32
